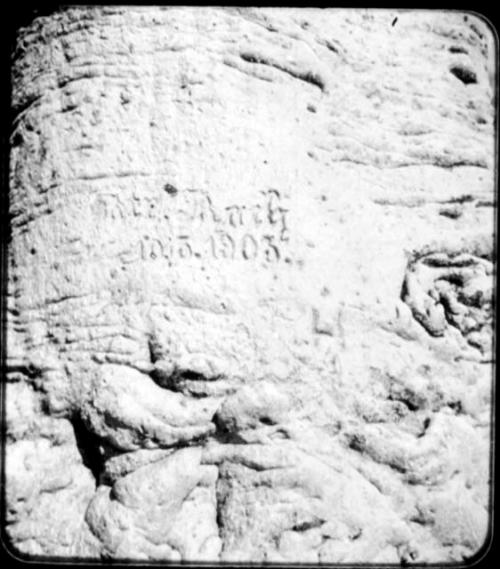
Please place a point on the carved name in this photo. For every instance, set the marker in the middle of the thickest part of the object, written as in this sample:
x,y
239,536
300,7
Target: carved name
x,y
188,226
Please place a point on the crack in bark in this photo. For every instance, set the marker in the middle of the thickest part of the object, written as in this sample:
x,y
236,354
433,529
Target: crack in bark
x,y
88,445
306,76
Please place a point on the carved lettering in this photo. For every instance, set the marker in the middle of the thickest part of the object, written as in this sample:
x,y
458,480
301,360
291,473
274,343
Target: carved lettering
x,y
235,215
272,251
110,206
185,249
190,226
249,247
156,249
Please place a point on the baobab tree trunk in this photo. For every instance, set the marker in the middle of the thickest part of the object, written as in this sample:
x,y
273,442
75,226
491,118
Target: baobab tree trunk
x,y
250,285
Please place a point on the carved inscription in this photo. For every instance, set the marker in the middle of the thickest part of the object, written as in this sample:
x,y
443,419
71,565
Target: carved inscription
x,y
218,246
188,226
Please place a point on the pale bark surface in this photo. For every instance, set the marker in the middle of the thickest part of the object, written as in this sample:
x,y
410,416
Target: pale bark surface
x,y
250,285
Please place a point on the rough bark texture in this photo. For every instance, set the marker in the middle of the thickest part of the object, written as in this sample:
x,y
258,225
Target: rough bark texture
x,y
250,285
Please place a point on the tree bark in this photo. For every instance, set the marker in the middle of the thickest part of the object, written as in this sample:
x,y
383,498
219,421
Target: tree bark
x,y
249,310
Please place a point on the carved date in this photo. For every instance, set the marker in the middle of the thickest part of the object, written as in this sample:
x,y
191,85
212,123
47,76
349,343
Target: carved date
x,y
218,246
